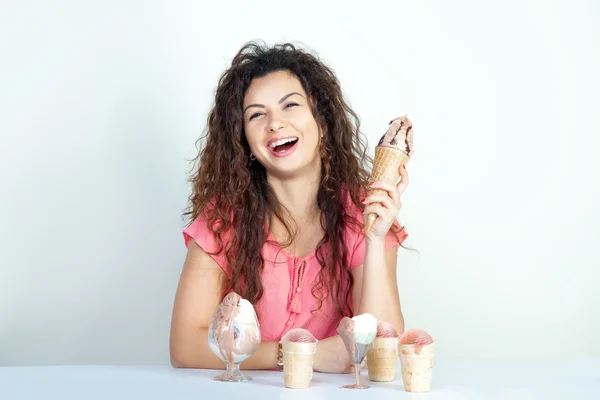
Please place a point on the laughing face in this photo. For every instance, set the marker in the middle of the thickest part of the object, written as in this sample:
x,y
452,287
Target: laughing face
x,y
279,125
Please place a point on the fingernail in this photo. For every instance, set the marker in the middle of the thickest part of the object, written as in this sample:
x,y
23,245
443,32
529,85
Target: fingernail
x,y
362,200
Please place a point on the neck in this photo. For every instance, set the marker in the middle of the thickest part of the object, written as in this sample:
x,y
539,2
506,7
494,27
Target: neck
x,y
298,194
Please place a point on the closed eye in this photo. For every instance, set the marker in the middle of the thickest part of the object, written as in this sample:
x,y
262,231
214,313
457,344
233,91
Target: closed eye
x,y
254,116
257,114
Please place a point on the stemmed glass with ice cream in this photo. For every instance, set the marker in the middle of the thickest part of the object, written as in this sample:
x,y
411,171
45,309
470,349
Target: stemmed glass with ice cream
x,y
358,334
234,335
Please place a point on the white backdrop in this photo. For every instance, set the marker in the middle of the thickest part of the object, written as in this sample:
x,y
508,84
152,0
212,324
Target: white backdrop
x,y
101,102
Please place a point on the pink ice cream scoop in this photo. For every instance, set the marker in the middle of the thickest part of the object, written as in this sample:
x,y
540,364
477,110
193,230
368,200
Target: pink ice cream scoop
x,y
299,335
386,330
417,337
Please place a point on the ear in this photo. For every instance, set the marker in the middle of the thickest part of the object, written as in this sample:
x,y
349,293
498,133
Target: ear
x,y
322,131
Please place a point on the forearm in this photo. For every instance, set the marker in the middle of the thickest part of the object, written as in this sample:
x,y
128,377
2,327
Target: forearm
x,y
331,356
192,351
379,295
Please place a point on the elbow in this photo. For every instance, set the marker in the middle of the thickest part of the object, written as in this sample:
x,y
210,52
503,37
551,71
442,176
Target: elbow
x,y
176,359
181,357
189,351
179,360
175,362
177,355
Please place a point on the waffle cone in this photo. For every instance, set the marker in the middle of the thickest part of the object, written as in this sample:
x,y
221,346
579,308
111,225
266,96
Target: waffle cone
x,y
298,364
381,359
386,168
416,363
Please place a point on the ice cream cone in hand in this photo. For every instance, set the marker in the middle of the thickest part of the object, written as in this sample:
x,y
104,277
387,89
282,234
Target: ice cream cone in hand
x,y
393,150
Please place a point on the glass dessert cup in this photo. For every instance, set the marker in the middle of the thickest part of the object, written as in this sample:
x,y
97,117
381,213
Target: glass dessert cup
x,y
233,336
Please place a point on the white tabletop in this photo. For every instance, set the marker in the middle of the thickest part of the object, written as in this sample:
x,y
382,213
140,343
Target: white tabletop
x,y
515,380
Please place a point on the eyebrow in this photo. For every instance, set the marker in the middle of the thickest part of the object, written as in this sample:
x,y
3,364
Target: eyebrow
x,y
284,98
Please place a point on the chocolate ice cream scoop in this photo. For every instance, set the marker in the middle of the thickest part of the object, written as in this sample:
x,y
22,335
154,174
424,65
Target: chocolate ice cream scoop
x,y
224,330
231,299
399,135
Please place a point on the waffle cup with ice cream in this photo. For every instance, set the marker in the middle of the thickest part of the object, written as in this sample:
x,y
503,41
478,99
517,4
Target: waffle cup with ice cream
x,y
382,356
298,348
416,360
393,150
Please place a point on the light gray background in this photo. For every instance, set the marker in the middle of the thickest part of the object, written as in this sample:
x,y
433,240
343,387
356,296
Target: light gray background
x,y
101,102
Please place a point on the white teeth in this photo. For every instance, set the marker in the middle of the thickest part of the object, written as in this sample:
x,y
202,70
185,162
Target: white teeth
x,y
281,141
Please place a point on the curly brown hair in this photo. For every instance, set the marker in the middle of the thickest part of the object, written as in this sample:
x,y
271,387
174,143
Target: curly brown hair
x,y
233,194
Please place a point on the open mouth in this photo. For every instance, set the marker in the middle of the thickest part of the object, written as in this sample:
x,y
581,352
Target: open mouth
x,y
283,147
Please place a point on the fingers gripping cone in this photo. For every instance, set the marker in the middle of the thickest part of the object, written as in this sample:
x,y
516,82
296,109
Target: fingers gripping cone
x,y
298,346
393,150
416,360
386,168
382,356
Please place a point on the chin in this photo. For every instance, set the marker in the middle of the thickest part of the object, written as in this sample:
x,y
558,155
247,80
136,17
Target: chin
x,y
288,170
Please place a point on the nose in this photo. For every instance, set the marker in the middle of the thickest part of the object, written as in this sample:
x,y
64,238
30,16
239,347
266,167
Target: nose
x,y
276,122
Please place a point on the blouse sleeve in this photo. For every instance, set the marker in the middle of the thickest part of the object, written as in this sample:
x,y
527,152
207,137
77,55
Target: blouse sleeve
x,y
202,235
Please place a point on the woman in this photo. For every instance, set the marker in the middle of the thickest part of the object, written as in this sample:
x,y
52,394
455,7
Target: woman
x,y
277,213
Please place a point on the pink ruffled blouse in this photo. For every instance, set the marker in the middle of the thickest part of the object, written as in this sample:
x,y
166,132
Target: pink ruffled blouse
x,y
287,280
